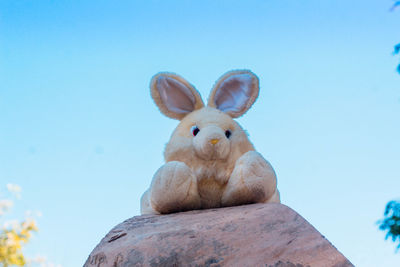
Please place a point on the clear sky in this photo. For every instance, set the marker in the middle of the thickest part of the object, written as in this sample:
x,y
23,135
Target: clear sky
x,y
82,137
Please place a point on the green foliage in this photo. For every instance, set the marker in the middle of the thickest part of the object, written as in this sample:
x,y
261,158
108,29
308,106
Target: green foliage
x,y
395,6
397,51
11,241
13,234
391,222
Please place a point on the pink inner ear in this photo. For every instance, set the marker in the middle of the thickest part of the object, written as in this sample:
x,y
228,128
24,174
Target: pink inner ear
x,y
176,96
234,93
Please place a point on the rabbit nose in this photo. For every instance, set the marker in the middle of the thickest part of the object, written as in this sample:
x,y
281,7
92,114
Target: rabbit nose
x,y
214,141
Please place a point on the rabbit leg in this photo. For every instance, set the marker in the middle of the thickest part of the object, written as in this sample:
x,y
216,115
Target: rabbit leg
x,y
145,207
174,188
253,180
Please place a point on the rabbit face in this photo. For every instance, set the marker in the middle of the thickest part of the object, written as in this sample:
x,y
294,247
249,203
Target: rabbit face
x,y
211,143
206,134
211,133
193,142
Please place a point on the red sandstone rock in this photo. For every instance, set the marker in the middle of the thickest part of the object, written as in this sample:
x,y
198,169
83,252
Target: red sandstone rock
x,y
251,235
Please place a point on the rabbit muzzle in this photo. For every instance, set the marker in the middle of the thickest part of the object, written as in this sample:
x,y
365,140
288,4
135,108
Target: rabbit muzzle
x,y
211,143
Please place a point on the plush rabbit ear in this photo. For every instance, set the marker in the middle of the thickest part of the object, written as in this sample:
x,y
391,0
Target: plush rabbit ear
x,y
174,96
235,92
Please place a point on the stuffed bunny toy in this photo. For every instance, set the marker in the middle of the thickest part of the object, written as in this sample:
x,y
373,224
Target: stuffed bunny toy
x,y
210,161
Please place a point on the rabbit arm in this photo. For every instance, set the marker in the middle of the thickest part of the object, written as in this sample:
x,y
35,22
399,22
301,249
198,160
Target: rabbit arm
x,y
253,180
174,188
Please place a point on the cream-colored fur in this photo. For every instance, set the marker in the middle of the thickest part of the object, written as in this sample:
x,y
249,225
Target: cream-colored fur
x,y
209,169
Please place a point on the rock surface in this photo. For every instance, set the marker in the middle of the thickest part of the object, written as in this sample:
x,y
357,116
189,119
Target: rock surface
x,y
251,235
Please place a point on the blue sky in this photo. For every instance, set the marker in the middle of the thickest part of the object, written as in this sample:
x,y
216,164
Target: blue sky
x,y
81,135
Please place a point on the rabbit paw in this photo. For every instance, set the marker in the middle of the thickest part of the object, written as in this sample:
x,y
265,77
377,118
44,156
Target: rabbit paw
x,y
253,180
174,188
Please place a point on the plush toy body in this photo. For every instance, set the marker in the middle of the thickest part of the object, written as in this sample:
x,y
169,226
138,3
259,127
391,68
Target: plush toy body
x,y
210,161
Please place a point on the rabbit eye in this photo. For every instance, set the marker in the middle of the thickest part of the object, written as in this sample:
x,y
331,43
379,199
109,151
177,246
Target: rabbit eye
x,y
228,133
195,130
